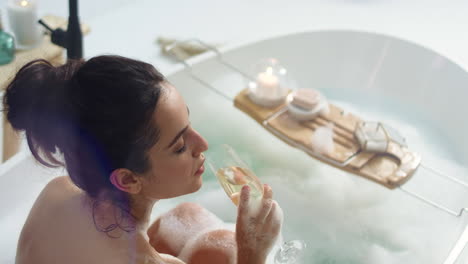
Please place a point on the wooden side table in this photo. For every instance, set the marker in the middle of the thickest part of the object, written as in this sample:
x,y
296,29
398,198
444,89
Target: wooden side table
x,y
46,50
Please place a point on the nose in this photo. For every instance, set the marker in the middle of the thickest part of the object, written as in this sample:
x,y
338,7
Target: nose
x,y
200,144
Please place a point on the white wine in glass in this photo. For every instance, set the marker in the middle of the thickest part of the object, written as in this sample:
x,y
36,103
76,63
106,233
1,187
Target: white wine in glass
x,y
232,173
232,179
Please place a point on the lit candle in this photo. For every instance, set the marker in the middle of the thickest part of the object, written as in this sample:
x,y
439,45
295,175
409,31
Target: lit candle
x,y
267,84
267,90
22,16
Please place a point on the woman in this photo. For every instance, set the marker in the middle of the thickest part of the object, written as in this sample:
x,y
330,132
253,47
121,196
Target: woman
x,y
123,133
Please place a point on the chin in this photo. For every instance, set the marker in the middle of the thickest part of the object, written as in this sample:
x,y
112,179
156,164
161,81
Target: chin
x,y
193,187
197,185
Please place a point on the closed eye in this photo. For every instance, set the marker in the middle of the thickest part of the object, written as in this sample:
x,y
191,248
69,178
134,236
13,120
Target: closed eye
x,y
182,149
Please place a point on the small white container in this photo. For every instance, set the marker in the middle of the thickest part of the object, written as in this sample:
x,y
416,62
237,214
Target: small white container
x,y
306,108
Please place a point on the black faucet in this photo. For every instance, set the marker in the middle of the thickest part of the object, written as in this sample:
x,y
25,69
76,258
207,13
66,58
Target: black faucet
x,y
72,39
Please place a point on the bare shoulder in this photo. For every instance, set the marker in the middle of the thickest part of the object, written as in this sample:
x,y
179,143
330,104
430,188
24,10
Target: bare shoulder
x,y
46,219
58,189
55,192
61,183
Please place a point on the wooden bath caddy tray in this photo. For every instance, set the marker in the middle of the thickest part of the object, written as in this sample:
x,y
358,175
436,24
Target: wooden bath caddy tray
x,y
391,167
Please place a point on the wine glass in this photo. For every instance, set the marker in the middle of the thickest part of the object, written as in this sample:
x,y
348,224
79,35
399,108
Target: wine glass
x,y
233,173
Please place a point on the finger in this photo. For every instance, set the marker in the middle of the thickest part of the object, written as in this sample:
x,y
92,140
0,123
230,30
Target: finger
x,y
267,192
275,217
266,204
244,201
264,210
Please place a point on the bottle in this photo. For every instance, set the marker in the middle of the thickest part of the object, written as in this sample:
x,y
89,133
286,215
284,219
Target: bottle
x,y
7,46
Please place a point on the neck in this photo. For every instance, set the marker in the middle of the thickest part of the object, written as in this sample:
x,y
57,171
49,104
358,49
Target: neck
x,y
136,218
141,209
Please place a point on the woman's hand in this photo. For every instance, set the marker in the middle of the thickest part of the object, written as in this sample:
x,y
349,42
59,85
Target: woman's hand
x,y
257,227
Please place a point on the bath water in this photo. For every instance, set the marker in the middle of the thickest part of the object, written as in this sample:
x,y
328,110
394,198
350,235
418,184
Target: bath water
x,y
342,217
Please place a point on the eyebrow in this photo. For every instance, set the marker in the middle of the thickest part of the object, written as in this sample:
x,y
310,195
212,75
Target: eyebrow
x,y
179,134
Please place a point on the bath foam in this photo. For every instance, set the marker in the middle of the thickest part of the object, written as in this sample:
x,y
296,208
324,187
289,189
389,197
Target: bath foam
x,y
322,140
339,223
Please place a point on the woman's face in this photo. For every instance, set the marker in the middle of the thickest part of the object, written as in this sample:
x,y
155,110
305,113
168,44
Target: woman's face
x,y
176,160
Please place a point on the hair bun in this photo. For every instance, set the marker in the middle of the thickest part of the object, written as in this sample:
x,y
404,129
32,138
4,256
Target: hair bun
x,y
38,88
36,100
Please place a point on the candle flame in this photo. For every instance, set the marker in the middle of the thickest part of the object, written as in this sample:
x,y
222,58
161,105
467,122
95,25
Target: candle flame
x,y
24,3
269,71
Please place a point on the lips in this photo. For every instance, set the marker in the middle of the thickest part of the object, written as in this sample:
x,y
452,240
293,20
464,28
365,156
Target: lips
x,y
200,170
202,167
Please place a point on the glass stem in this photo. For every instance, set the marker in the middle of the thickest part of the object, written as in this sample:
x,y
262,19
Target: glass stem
x,y
281,240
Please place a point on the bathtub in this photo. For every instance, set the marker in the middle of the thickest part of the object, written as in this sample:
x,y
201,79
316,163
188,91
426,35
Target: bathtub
x,y
342,217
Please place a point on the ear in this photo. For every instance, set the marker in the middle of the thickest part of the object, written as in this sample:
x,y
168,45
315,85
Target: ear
x,y
125,180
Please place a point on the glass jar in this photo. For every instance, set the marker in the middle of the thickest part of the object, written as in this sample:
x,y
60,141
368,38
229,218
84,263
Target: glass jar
x,y
7,46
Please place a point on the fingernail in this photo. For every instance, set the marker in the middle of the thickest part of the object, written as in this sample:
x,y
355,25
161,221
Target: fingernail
x,y
246,188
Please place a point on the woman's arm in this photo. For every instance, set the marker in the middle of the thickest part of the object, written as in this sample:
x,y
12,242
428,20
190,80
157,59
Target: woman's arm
x,y
256,232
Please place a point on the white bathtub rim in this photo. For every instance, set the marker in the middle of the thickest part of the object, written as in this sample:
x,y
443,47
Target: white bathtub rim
x,y
14,161
193,61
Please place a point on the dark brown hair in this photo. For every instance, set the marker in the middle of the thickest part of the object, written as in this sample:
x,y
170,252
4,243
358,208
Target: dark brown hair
x,y
90,116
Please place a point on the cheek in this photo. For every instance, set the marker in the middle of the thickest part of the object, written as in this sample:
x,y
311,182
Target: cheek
x,y
183,168
174,170
172,178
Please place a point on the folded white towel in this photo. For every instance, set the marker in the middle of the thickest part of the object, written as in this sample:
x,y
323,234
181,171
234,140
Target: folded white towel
x,y
182,50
